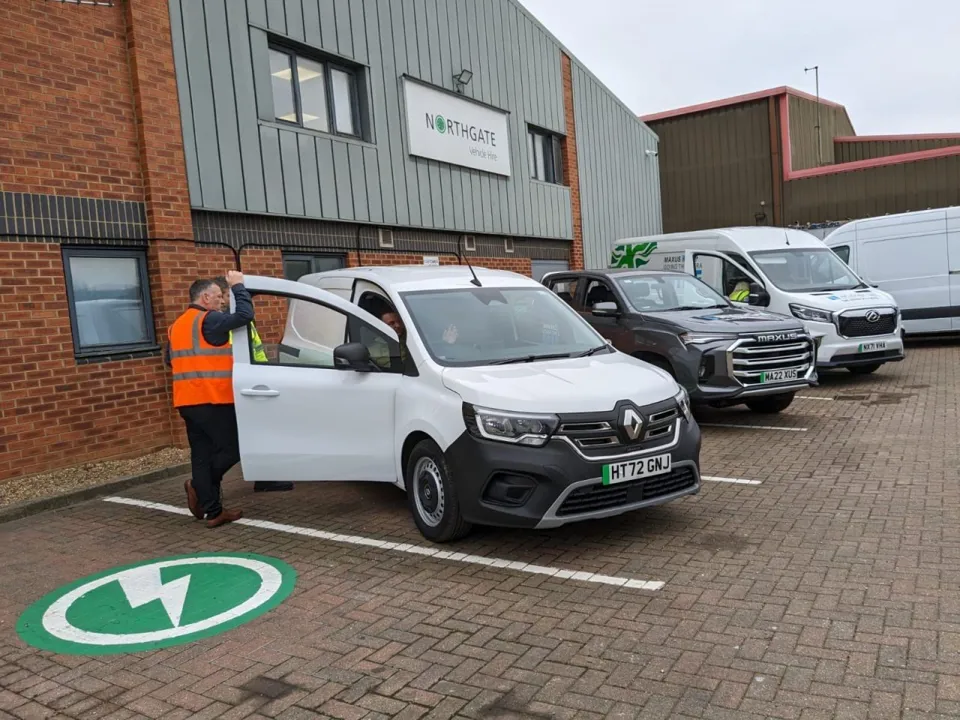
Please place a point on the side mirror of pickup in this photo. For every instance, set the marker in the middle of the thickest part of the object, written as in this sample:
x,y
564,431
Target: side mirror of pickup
x,y
606,309
758,296
353,356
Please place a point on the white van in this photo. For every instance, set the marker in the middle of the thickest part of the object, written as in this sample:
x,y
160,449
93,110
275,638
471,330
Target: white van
x,y
501,405
913,256
790,272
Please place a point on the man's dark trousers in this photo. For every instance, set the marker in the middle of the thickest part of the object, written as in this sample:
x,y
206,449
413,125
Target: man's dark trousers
x,y
214,449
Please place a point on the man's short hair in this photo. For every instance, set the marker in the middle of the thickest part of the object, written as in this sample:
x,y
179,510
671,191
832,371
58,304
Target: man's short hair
x,y
199,287
221,280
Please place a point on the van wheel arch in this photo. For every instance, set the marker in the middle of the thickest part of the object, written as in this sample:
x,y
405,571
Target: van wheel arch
x,y
413,439
658,360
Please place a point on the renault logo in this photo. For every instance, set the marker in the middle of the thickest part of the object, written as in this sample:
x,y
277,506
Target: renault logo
x,y
872,316
631,423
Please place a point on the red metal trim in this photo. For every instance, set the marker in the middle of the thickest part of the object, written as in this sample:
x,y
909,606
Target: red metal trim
x,y
736,100
790,174
897,138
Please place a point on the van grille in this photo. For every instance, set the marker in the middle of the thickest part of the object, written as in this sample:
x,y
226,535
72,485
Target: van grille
x,y
859,326
598,496
753,358
599,434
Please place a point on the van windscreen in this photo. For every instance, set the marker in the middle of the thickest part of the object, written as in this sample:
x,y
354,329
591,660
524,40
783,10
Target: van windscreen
x,y
806,270
483,326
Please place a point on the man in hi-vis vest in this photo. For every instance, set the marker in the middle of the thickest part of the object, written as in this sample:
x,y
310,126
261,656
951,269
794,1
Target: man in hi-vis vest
x,y
202,363
259,355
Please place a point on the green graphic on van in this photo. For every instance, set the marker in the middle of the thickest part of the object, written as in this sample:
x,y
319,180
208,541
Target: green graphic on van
x,y
632,255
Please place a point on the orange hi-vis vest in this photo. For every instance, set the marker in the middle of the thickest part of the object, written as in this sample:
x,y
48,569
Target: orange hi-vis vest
x,y
202,373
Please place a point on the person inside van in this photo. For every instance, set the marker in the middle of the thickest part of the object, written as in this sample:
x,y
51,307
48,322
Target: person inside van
x,y
740,292
380,349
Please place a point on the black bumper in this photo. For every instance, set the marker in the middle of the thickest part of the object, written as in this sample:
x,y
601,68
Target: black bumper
x,y
843,361
506,485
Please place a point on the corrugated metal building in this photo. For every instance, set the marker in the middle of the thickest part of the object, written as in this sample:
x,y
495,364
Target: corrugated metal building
x,y
760,159
304,109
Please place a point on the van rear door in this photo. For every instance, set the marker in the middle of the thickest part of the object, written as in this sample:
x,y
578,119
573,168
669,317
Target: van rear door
x,y
953,245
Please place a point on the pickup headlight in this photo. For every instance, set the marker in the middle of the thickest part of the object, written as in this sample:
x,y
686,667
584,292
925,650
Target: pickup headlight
x,y
693,338
683,400
811,314
531,429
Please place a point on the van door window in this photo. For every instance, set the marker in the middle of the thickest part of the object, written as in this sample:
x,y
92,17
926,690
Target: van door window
x,y
723,276
305,333
842,252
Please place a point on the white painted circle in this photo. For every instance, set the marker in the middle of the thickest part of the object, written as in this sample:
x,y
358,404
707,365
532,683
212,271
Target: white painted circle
x,y
56,624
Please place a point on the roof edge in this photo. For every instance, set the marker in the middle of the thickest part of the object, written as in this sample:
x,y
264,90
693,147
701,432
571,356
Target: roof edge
x,y
736,100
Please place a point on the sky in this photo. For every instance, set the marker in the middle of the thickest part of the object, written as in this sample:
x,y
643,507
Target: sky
x,y
895,65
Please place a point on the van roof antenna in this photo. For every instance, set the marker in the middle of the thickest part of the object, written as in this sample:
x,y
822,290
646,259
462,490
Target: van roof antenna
x,y
476,280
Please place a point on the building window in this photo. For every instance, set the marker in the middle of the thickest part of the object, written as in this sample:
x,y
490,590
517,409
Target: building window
x,y
546,162
109,299
296,266
314,94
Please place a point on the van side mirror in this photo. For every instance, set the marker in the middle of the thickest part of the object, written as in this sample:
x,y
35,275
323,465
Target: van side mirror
x,y
606,309
758,296
353,356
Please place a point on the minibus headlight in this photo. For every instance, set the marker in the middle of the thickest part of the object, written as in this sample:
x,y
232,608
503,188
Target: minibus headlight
x,y
531,429
811,314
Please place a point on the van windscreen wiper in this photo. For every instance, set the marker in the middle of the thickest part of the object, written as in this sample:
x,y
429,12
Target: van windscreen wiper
x,y
592,351
529,358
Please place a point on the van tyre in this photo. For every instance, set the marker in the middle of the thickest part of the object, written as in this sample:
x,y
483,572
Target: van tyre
x,y
771,404
864,369
432,496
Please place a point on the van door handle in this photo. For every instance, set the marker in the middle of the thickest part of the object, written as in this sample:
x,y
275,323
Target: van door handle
x,y
955,272
259,391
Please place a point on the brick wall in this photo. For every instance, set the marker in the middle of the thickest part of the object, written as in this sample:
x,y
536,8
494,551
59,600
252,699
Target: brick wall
x,y
571,168
54,411
67,114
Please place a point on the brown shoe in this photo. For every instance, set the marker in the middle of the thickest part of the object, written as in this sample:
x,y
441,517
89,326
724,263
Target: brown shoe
x,y
192,501
226,516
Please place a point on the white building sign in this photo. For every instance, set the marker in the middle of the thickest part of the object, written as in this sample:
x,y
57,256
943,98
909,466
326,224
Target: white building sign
x,y
444,127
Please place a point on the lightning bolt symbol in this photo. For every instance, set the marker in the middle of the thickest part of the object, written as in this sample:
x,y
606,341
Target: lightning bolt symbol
x,y
143,585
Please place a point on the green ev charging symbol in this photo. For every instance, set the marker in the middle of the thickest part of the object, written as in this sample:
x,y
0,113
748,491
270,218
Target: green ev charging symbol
x,y
156,604
441,124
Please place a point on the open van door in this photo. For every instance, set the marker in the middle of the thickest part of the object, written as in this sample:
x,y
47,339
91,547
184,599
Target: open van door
x,y
314,406
723,274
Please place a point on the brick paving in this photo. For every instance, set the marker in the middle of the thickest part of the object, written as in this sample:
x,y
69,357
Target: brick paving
x,y
829,591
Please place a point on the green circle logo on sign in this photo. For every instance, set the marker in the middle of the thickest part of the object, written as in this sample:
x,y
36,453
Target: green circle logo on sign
x,y
156,604
441,124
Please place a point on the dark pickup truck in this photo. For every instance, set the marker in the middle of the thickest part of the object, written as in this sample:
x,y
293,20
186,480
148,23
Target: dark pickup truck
x,y
722,354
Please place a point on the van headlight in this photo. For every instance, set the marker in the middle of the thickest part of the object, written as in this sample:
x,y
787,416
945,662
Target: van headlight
x,y
532,429
811,314
693,338
683,401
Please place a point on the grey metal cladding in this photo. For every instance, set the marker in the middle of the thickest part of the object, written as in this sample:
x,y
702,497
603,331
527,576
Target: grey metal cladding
x,y
619,180
239,159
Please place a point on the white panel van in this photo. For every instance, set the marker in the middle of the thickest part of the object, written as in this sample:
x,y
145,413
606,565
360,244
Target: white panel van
x,y
786,271
913,256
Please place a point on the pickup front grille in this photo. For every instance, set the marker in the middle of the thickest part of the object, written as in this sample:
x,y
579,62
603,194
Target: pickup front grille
x,y
591,498
753,360
860,326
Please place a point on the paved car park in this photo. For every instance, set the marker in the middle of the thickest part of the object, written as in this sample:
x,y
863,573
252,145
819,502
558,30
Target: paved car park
x,y
815,575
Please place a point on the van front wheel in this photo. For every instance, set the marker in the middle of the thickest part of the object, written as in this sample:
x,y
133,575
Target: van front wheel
x,y
771,404
431,495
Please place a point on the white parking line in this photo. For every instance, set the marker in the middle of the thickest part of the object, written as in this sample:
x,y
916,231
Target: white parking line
x,y
433,552
813,397
735,481
753,427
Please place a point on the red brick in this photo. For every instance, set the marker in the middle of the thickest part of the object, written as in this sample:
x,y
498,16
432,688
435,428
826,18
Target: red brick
x,y
571,170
